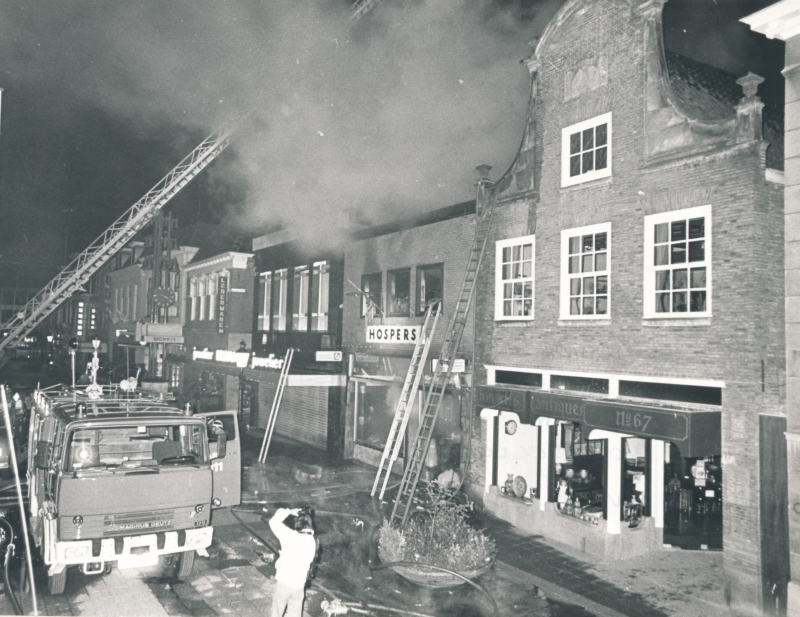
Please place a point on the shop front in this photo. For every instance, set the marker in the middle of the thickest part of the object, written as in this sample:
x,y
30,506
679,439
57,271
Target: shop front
x,y
597,474
377,384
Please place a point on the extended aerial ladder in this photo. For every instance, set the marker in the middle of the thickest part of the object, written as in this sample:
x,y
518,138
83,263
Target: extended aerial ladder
x,y
485,204
122,231
406,401
359,8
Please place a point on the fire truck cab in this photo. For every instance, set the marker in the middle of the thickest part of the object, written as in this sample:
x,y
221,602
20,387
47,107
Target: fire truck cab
x,y
124,477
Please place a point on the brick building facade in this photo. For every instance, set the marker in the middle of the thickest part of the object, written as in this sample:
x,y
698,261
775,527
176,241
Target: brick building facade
x,y
645,209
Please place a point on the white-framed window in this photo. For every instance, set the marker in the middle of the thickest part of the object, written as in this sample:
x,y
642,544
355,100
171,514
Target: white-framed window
x,y
677,263
193,299
320,291
202,288
585,272
281,299
213,282
265,299
514,272
300,299
586,150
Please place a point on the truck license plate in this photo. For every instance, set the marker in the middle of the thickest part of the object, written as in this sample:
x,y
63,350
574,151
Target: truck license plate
x,y
137,561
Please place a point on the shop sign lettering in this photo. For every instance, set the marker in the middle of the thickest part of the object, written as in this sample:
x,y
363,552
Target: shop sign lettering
x,y
269,362
202,355
623,419
556,406
393,334
500,398
222,301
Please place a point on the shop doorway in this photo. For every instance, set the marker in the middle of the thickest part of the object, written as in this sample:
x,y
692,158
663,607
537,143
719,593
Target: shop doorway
x,y
692,501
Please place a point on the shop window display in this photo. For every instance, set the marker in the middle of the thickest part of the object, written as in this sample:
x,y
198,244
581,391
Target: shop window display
x,y
579,474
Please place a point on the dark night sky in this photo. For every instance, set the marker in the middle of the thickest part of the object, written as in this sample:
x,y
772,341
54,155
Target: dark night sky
x,y
101,99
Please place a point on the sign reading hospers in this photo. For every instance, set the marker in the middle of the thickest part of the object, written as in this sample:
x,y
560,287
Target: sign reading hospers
x,y
394,334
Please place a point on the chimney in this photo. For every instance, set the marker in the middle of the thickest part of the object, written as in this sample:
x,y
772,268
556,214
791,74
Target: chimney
x,y
748,111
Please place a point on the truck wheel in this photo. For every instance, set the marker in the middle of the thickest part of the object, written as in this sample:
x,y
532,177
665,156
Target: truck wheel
x,y
185,564
57,582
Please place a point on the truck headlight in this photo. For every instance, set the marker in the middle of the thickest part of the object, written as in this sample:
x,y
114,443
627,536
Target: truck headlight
x,y
77,520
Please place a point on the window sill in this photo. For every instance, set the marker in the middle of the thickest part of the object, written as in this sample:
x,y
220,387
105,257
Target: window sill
x,y
522,323
597,182
655,322
588,323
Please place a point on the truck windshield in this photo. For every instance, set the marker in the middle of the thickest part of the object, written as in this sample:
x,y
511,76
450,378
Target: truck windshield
x,y
122,447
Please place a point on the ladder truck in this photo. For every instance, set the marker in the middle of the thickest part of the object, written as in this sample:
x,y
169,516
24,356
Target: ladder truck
x,y
122,231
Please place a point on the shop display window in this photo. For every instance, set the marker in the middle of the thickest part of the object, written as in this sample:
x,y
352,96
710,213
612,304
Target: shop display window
x,y
579,473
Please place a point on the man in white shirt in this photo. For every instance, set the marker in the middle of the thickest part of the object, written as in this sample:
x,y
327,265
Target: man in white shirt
x,y
298,550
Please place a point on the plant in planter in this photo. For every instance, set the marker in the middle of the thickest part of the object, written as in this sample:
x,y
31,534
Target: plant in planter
x,y
438,535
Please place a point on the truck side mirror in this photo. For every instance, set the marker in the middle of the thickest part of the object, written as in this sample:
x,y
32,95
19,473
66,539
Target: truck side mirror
x,y
222,445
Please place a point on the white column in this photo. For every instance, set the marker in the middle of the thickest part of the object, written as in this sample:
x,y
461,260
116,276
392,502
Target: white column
x,y
614,482
544,466
656,480
488,416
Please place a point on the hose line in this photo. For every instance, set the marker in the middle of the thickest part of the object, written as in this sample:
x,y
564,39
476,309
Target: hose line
x,y
9,555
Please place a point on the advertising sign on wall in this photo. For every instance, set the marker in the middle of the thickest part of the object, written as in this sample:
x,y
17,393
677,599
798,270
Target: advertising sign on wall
x,y
393,335
222,300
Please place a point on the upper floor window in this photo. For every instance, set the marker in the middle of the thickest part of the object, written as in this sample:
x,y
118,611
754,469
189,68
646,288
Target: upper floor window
x,y
585,272
264,300
371,285
193,299
398,292
320,294
213,282
677,263
300,299
430,286
202,290
280,294
586,151
514,278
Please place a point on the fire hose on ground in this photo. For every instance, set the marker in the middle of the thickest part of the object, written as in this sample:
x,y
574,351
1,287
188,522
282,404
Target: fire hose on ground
x,y
9,554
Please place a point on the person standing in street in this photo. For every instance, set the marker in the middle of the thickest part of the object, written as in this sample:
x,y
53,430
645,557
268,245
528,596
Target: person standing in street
x,y
298,550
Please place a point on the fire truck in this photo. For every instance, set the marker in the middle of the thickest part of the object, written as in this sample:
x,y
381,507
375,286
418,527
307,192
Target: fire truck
x,y
121,477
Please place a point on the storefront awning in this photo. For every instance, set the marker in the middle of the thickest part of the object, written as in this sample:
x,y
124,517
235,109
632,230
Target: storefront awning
x,y
695,432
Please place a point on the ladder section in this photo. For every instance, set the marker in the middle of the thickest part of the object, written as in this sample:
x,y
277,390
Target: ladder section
x,y
359,8
276,404
122,231
416,368
444,367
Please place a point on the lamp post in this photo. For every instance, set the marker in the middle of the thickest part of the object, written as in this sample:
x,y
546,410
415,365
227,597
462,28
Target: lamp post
x,y
73,346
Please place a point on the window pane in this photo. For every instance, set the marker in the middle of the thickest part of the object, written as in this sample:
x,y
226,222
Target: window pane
x,y
662,303
527,269
527,307
602,284
574,306
601,135
662,279
588,306
697,250
506,272
588,161
516,252
697,228
574,265
517,309
600,241
698,277
527,251
528,290
588,138
575,165
588,285
516,270
588,243
601,158
698,301
507,308
600,262
661,233
575,143
679,279
602,305
506,254
575,287
679,302
574,245
587,263
678,230
661,257
507,290
679,253
398,287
